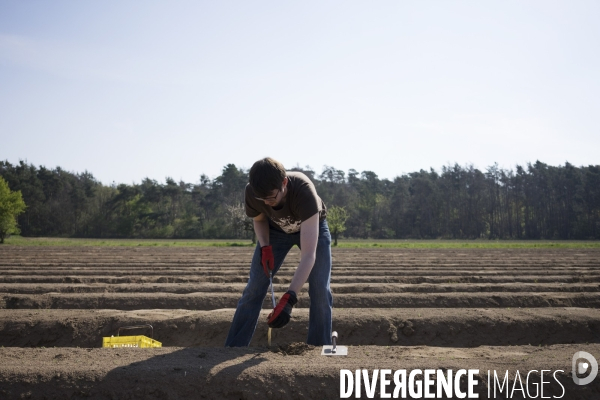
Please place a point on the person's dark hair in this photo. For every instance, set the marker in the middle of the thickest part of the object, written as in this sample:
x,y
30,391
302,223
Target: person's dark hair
x,y
265,176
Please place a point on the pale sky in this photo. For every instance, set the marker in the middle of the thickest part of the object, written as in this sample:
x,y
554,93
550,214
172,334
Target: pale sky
x,y
135,89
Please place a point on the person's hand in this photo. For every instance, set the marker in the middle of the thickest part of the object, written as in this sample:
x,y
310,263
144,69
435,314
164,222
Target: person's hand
x,y
281,314
267,260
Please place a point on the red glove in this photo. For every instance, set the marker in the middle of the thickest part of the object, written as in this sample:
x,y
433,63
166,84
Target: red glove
x,y
267,260
281,314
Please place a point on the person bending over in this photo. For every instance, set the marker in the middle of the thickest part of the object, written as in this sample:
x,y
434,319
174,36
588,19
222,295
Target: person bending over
x,y
286,211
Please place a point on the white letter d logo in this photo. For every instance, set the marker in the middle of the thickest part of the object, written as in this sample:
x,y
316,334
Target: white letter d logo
x,y
582,367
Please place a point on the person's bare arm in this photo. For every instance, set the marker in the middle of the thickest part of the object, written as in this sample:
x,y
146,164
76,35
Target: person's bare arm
x,y
261,228
309,234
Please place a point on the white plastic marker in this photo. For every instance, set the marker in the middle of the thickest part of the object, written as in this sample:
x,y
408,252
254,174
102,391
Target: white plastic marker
x,y
334,349
273,301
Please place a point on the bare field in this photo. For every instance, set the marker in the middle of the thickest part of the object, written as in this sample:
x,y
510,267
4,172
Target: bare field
x,y
505,309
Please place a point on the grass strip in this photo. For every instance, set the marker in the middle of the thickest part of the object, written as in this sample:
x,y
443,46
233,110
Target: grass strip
x,y
349,244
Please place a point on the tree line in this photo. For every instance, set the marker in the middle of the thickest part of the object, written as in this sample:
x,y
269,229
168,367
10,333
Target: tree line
x,y
537,201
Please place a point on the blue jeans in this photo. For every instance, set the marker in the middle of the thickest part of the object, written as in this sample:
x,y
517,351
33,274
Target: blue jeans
x,y
321,301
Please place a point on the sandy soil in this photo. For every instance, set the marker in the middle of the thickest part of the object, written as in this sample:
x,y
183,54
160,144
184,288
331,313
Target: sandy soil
x,y
254,373
395,308
469,327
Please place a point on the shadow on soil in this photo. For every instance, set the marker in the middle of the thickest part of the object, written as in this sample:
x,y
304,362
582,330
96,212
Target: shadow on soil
x,y
192,373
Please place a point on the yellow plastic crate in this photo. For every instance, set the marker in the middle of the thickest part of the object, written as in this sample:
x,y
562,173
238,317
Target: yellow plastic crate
x,y
130,341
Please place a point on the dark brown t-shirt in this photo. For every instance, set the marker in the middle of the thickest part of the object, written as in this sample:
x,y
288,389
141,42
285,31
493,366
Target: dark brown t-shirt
x,y
300,203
